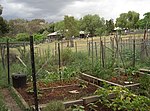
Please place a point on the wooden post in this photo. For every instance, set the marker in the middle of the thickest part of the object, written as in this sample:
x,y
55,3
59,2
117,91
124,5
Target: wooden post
x,y
67,43
96,50
87,43
59,60
112,47
89,49
142,50
8,68
104,48
62,46
92,56
76,46
100,48
55,49
33,74
134,53
102,54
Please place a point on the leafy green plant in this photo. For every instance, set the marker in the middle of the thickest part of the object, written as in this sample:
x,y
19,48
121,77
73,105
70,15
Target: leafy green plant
x,y
78,108
51,77
22,37
92,106
68,72
67,56
144,88
55,106
119,98
83,85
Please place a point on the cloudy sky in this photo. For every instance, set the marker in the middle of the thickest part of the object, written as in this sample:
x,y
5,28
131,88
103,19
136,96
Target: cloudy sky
x,y
54,10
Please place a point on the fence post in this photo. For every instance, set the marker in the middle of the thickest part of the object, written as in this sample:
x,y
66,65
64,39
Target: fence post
x,y
76,46
89,49
59,60
8,68
55,49
33,74
96,49
102,53
92,56
134,53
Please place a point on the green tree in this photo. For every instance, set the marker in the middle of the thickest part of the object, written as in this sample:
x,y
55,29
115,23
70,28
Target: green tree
x,y
145,22
35,26
91,23
133,18
4,28
121,21
50,27
60,27
71,28
128,20
110,26
17,26
1,9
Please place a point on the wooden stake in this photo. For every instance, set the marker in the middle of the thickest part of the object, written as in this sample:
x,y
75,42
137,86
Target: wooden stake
x,y
8,68
33,74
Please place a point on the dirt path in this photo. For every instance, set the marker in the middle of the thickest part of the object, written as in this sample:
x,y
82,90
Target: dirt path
x,y
9,101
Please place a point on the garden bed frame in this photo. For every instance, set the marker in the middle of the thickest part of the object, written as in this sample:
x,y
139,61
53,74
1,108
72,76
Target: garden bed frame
x,y
100,82
83,101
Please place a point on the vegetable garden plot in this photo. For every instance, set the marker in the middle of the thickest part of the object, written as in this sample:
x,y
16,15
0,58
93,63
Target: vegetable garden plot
x,y
59,90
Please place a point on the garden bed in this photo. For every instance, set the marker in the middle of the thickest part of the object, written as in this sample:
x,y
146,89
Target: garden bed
x,y
112,81
70,90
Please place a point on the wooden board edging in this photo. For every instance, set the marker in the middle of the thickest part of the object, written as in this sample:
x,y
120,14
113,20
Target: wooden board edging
x,y
86,76
24,103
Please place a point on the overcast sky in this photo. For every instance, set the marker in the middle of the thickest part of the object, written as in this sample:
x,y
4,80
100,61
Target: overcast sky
x,y
54,10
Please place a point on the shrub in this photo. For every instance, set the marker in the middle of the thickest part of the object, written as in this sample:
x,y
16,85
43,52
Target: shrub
x,y
22,37
55,106
121,99
67,56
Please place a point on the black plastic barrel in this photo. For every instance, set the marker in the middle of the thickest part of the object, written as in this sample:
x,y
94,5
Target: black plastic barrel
x,y
19,80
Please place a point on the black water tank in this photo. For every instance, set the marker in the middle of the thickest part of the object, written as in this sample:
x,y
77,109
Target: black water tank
x,y
19,80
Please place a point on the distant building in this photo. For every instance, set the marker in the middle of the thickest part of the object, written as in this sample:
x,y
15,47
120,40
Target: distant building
x,y
52,36
82,34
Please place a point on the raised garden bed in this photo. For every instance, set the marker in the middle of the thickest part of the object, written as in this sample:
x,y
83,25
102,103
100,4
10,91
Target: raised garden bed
x,y
70,92
101,82
144,72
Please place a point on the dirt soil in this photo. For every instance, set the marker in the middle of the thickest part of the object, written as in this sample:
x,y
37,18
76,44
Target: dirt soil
x,y
59,90
121,79
9,101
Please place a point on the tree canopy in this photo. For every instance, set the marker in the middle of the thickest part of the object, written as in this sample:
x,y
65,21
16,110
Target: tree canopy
x,y
1,9
91,23
145,22
128,20
4,28
71,28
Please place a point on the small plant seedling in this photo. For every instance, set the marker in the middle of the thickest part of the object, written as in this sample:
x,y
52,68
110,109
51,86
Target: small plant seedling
x,y
78,108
